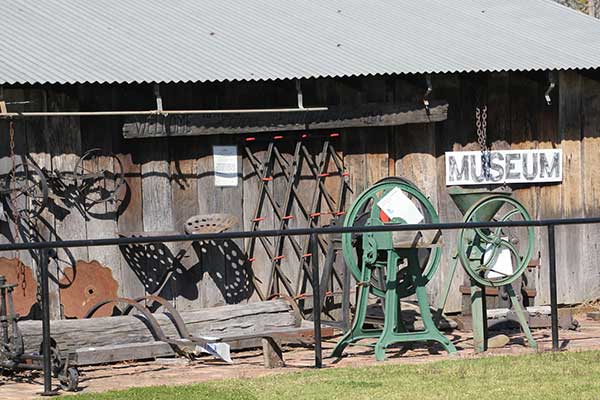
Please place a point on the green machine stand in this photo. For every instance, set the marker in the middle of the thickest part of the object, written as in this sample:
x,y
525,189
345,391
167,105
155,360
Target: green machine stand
x,y
490,256
392,266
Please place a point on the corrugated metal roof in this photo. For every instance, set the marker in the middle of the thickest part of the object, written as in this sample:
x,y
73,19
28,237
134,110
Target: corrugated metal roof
x,y
67,41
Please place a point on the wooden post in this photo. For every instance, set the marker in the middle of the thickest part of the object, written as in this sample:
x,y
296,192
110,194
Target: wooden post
x,y
272,353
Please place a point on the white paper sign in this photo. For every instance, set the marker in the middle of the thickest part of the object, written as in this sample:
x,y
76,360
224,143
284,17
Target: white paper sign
x,y
505,166
396,204
502,267
225,165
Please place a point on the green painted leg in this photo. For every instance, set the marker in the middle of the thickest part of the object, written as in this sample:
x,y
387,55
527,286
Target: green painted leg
x,y
357,332
400,328
444,298
430,327
431,333
521,316
392,311
478,317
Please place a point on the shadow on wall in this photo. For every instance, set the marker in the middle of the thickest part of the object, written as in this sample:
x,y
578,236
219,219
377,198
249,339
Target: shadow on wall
x,y
165,274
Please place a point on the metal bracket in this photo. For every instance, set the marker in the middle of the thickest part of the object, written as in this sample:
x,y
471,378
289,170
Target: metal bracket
x,y
427,93
299,92
551,85
159,103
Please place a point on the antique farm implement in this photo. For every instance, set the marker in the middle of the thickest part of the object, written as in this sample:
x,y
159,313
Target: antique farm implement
x,y
13,357
392,265
491,257
95,179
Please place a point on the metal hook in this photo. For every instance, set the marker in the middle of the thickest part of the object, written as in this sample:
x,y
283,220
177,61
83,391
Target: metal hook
x,y
427,92
159,103
299,92
551,85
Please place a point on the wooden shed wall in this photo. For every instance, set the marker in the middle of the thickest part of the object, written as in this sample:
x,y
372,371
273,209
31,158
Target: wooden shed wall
x,y
169,180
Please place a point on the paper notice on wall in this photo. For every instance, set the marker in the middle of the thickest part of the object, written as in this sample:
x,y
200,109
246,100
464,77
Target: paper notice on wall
x,y
502,267
225,165
396,204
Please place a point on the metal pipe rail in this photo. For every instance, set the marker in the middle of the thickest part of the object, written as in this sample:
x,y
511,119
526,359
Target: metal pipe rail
x,y
292,232
32,114
45,247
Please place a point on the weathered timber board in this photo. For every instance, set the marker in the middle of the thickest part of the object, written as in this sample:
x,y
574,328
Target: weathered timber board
x,y
591,184
378,114
227,321
570,239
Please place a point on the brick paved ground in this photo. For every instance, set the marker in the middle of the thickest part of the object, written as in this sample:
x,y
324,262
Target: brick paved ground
x,y
249,363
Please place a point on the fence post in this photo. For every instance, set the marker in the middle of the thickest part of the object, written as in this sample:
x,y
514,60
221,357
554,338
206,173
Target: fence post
x,y
314,249
553,296
47,356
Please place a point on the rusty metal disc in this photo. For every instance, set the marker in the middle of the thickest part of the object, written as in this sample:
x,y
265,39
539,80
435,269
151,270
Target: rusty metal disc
x,y
88,284
25,297
209,223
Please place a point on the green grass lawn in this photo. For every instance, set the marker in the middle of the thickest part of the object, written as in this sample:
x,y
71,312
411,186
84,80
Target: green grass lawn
x,y
573,375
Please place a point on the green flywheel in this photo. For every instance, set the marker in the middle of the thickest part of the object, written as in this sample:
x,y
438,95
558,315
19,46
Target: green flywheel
x,y
496,256
365,206
391,265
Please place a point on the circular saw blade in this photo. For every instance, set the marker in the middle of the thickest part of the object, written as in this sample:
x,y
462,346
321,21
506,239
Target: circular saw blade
x,y
90,283
23,298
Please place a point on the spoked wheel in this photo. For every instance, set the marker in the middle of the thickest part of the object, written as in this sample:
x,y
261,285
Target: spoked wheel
x,y
99,177
496,256
69,379
26,189
366,207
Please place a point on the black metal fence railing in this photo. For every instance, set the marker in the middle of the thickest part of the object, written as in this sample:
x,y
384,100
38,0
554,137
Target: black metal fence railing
x,y
45,247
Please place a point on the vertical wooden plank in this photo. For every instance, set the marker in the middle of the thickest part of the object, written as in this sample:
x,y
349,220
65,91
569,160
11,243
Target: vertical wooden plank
x,y
523,116
157,209
38,145
238,275
64,139
97,133
590,273
525,107
550,198
213,281
570,238
375,90
129,218
8,229
353,140
184,186
450,135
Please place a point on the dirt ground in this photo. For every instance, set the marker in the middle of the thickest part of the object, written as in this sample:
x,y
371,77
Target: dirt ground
x,y
250,363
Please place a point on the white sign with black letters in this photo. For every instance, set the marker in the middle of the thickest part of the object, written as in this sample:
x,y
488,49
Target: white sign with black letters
x,y
225,165
505,166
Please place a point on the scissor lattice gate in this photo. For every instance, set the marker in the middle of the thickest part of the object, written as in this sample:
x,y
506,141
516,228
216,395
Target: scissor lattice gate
x,y
302,183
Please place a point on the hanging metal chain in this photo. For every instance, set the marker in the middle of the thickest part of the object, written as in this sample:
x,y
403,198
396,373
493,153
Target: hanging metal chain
x,y
13,194
481,123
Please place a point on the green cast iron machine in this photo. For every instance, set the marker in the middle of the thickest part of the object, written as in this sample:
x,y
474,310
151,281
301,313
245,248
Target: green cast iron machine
x,y
392,265
491,257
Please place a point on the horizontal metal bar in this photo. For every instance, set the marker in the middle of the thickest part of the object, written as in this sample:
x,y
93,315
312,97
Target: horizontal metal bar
x,y
291,232
156,112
